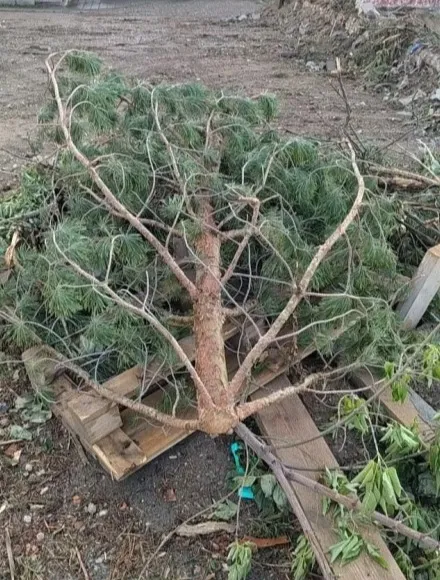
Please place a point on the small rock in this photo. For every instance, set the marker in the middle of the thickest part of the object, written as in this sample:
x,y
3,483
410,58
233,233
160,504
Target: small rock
x,y
426,487
16,375
312,66
40,537
256,16
435,95
27,519
418,95
35,507
4,408
40,472
44,490
103,513
91,508
28,467
242,17
405,101
330,65
76,500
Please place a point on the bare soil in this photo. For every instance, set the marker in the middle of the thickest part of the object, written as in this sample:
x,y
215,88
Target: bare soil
x,y
178,41
53,535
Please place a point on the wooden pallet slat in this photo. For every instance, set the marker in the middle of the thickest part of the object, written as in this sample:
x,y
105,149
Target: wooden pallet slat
x,y
289,421
405,413
423,287
98,416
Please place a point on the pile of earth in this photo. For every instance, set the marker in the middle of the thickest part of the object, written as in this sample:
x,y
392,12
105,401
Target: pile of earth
x,y
397,52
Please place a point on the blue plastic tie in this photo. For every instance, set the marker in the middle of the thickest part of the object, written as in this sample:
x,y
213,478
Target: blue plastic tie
x,y
243,492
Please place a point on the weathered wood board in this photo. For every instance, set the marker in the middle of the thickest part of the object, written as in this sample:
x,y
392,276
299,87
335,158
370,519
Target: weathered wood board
x,y
95,413
423,287
405,413
289,421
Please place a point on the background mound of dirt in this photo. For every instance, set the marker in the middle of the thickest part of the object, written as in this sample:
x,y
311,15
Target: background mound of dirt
x,y
397,53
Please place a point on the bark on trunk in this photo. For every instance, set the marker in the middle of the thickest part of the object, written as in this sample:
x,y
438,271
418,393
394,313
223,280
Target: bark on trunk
x,y
217,414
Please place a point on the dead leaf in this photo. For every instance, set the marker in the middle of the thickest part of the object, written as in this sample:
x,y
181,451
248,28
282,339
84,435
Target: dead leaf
x,y
169,495
13,451
10,258
205,528
267,542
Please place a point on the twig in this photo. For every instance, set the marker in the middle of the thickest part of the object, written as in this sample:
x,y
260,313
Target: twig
x,y
79,448
168,537
394,171
246,409
10,554
351,503
81,563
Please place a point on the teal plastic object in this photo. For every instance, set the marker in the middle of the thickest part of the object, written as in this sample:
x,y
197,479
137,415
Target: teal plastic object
x,y
243,492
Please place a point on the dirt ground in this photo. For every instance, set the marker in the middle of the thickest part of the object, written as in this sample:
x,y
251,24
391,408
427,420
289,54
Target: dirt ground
x,y
44,500
177,41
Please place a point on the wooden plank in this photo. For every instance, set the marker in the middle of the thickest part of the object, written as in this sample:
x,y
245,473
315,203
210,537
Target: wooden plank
x,y
405,413
128,384
423,287
153,438
289,421
118,454
87,411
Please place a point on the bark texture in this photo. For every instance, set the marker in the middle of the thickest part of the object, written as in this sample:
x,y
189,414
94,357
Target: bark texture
x,y
216,412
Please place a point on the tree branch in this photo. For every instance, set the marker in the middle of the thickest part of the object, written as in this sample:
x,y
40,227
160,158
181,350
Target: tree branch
x,y
155,323
108,195
351,503
299,292
245,240
144,410
247,409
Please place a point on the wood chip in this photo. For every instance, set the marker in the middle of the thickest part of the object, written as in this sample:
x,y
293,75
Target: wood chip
x,y
10,554
205,528
267,542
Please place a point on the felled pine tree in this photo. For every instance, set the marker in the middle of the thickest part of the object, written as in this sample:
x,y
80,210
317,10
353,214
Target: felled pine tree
x,y
171,208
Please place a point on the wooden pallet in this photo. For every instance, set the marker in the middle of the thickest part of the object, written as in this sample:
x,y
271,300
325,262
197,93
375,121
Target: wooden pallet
x,y
136,442
122,441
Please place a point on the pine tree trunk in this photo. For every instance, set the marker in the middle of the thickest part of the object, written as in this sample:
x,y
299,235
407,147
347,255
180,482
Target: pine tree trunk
x,y
216,412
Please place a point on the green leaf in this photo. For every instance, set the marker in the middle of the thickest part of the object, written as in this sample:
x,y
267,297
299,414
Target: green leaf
x,y
268,482
246,480
226,510
374,553
369,502
37,414
279,497
22,402
18,432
